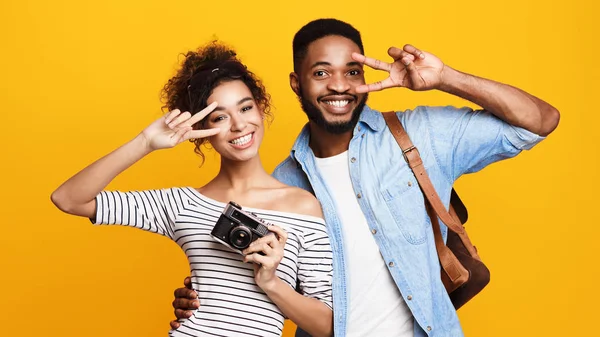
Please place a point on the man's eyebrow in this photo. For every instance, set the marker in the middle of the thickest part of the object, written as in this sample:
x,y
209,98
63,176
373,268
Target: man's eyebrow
x,y
320,63
323,63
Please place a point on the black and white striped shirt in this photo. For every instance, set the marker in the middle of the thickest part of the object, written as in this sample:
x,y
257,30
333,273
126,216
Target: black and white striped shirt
x,y
231,304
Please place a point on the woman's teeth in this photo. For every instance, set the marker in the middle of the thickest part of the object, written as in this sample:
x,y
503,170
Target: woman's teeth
x,y
242,140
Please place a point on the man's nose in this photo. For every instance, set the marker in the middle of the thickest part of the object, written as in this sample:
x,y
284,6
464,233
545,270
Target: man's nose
x,y
338,83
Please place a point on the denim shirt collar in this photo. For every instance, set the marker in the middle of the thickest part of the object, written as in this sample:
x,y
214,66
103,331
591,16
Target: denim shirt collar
x,y
368,117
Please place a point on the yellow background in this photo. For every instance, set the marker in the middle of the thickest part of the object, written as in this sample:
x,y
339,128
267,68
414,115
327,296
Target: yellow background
x,y
77,80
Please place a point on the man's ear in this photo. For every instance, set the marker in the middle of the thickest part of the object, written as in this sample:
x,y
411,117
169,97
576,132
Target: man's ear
x,y
294,83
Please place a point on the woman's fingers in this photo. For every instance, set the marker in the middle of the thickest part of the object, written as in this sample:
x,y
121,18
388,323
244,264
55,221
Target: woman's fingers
x,y
202,113
282,235
197,134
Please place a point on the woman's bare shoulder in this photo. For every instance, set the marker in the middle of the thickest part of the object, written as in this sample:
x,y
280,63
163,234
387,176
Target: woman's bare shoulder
x,y
297,200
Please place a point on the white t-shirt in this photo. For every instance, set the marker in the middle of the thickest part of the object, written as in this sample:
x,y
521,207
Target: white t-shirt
x,y
376,307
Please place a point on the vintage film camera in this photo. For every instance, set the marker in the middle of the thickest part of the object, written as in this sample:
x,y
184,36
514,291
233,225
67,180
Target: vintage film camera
x,y
237,229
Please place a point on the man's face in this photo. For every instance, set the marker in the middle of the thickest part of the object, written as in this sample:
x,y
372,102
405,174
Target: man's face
x,y
326,83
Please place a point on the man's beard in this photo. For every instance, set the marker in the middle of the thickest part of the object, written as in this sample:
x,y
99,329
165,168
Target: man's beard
x,y
315,115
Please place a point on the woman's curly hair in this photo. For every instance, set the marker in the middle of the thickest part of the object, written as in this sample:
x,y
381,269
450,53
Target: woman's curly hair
x,y
200,73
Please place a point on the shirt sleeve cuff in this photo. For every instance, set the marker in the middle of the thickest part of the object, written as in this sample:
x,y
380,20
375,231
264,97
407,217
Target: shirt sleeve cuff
x,y
522,139
97,218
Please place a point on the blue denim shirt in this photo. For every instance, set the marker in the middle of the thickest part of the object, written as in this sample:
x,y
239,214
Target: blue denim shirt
x,y
451,142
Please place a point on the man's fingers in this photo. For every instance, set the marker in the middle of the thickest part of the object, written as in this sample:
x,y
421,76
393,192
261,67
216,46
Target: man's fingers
x,y
377,86
187,282
371,62
185,293
180,313
185,304
414,51
363,88
395,52
413,74
175,325
202,113
399,54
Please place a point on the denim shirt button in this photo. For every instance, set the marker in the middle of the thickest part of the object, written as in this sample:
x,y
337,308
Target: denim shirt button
x,y
391,264
359,195
374,231
409,184
362,136
409,297
428,328
353,160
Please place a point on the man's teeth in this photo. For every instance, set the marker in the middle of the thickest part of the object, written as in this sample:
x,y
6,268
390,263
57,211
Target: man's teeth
x,y
339,104
242,140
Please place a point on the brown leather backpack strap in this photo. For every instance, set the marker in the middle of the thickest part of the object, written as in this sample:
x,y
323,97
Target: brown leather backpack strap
x,y
412,157
464,237
455,273
411,154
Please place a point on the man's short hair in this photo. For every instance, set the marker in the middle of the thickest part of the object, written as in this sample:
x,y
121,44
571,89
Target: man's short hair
x,y
320,28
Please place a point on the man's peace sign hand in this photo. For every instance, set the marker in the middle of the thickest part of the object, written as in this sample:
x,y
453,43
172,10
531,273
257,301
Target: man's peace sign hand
x,y
412,68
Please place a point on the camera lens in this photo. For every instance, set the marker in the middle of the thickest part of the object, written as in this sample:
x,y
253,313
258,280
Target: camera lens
x,y
240,237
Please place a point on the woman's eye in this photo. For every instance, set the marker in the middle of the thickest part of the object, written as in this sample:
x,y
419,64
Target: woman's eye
x,y
218,119
246,108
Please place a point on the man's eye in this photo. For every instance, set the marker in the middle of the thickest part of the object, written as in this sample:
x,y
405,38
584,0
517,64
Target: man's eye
x,y
354,72
319,73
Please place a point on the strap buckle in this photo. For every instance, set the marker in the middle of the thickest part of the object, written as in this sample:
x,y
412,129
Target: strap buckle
x,y
404,152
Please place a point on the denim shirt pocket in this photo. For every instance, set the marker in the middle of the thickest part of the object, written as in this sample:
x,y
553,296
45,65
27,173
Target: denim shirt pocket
x,y
405,202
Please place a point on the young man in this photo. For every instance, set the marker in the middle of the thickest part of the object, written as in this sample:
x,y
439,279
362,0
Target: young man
x,y
386,269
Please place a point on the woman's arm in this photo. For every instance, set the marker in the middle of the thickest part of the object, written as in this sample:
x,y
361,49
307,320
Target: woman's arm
x,y
77,195
310,314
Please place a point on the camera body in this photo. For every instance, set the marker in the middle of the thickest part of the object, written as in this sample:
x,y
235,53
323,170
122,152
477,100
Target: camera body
x,y
237,229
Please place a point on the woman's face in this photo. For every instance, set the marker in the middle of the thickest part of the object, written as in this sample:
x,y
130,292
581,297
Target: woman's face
x,y
240,120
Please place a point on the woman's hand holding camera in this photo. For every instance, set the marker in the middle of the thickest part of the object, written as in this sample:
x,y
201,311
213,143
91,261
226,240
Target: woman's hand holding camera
x,y
271,246
175,128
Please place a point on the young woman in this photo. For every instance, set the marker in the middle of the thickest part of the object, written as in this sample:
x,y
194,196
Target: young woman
x,y
246,294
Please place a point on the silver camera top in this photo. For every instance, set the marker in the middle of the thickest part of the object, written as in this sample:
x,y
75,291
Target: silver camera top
x,y
235,212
